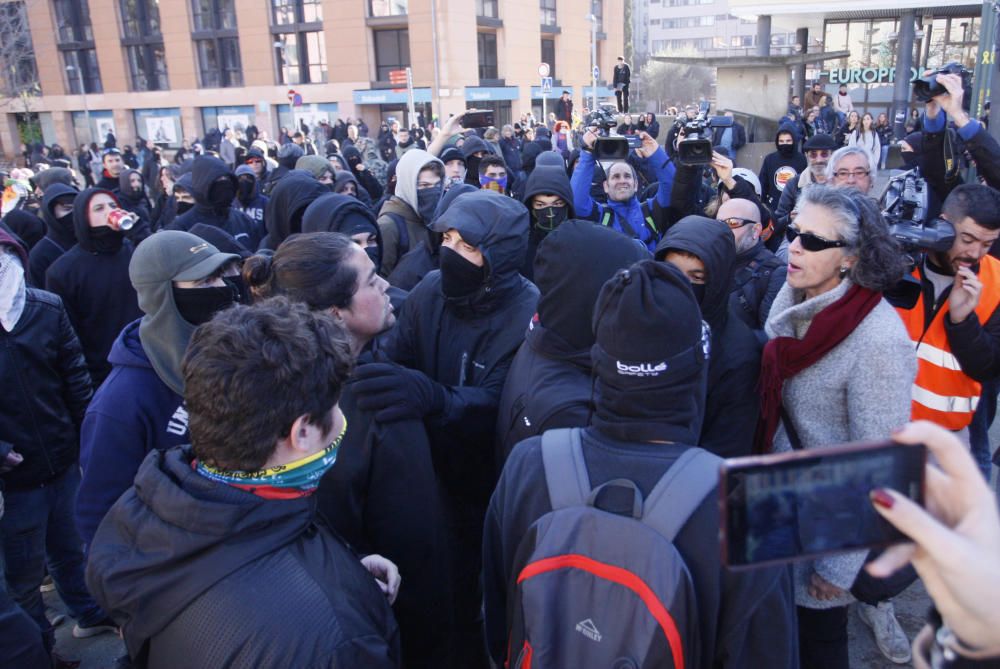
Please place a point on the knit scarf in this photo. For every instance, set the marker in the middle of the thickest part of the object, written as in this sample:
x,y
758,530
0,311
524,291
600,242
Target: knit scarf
x,y
784,357
289,481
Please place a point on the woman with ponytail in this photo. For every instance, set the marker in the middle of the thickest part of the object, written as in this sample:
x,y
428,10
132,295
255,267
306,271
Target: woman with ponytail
x,y
382,494
838,368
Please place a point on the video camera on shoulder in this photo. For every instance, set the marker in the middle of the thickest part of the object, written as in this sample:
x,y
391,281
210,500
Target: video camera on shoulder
x,y
927,88
696,147
904,206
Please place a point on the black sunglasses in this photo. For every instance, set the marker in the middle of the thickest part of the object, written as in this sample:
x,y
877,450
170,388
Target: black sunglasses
x,y
736,222
811,242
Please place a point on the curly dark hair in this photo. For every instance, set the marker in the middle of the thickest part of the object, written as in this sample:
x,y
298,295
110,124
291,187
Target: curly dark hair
x,y
250,372
880,263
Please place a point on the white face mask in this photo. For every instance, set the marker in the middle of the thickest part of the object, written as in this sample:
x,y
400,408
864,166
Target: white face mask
x,y
12,289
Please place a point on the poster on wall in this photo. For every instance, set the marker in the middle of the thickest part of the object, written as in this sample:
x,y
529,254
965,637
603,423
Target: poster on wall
x,y
235,122
104,126
161,129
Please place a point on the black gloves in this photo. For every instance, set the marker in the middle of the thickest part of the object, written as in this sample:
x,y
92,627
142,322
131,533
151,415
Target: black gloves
x,y
396,393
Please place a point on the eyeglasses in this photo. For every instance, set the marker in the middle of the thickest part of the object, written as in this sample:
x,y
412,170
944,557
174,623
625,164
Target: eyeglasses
x,y
857,174
735,222
811,242
819,153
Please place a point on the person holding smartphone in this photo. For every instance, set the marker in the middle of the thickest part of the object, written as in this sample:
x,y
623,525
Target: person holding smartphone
x,y
838,368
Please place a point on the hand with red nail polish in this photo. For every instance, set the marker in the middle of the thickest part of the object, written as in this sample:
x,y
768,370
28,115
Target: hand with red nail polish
x,y
956,547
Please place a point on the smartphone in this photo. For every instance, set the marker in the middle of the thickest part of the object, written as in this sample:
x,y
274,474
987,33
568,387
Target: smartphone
x,y
786,507
634,141
477,119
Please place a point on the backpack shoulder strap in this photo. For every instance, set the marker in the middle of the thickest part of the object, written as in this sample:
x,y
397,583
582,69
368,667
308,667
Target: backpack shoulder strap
x,y
404,234
565,469
680,491
647,215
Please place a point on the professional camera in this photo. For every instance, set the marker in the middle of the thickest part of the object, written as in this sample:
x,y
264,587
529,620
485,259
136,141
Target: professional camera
x,y
927,88
696,147
904,207
603,118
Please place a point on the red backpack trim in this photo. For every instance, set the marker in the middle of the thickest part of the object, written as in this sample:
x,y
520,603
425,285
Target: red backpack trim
x,y
621,577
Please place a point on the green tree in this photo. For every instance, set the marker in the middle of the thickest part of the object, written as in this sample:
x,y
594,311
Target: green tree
x,y
672,84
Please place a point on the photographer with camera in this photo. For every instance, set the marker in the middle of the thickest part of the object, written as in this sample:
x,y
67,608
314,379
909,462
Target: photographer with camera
x,y
623,211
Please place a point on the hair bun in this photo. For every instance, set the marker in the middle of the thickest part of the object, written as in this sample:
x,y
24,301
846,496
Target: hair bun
x,y
258,271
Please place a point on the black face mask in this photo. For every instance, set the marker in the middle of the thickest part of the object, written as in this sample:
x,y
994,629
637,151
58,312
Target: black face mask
x,y
786,149
221,194
246,189
106,240
198,305
182,207
699,291
459,277
66,222
548,219
427,202
375,253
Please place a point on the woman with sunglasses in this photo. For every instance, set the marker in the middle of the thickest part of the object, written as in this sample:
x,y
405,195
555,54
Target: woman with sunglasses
x,y
838,368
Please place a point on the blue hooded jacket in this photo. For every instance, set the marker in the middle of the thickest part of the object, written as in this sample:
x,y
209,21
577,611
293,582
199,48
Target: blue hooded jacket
x,y
132,413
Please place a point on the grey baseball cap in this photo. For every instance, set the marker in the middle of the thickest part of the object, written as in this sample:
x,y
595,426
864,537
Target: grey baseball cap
x,y
173,255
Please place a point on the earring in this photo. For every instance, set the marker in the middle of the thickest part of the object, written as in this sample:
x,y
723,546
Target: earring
x,y
843,271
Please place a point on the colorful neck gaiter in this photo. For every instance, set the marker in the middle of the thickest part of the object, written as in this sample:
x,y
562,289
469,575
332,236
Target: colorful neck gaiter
x,y
289,481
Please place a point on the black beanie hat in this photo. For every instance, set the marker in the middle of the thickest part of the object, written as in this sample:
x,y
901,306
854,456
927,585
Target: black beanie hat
x,y
651,356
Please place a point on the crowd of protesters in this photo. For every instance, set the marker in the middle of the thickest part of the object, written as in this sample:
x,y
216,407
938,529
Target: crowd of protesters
x,y
298,402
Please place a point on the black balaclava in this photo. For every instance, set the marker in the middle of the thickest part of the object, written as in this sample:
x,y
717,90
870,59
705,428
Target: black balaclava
x,y
459,277
198,305
221,194
106,240
246,188
427,202
548,219
183,207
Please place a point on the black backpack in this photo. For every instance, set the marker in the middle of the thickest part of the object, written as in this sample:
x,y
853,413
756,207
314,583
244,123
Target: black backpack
x,y
599,589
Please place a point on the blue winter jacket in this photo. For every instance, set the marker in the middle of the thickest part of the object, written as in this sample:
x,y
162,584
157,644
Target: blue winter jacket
x,y
132,413
626,217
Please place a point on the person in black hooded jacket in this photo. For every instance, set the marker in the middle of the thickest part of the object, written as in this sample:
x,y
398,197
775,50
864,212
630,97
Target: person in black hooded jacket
x,y
640,427
214,188
92,278
704,249
26,226
287,206
132,195
453,345
549,199
780,166
356,164
549,385
60,236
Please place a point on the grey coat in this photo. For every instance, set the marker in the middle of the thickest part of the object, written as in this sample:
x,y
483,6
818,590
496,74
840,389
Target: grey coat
x,y
860,390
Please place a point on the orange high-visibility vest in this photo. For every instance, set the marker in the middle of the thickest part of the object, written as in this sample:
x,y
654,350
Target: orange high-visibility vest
x,y
942,392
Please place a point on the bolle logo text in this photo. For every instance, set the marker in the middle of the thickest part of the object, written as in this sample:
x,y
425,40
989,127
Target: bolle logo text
x,y
642,369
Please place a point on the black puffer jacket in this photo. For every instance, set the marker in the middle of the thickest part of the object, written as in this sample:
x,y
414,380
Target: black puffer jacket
x,y
205,171
731,405
45,388
467,344
95,289
549,382
757,277
289,199
203,575
59,234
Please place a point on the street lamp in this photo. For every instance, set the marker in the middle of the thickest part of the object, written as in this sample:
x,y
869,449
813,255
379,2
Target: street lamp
x,y
593,60
70,69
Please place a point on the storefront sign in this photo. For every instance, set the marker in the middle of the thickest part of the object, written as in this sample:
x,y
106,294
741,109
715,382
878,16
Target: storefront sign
x,y
476,93
383,96
865,75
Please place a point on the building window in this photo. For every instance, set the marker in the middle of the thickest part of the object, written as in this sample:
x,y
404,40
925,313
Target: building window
x,y
549,55
76,42
20,71
392,52
487,55
488,9
144,44
298,27
217,43
387,7
548,8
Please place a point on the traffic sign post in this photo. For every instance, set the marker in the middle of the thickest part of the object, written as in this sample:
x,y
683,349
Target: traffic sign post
x,y
546,90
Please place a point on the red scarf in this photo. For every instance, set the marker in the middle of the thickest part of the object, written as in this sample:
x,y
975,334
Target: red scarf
x,y
784,357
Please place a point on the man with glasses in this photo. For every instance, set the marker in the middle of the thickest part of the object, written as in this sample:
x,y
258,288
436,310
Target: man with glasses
x,y
818,150
758,274
850,167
